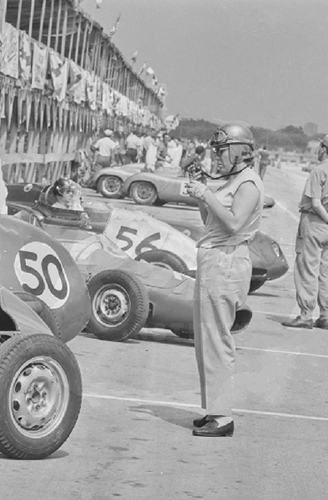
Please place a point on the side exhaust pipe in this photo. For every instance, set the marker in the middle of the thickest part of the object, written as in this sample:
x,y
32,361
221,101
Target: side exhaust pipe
x,y
242,320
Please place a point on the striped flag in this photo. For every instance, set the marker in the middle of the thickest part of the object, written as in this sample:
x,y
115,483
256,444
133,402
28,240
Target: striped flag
x,y
114,28
142,69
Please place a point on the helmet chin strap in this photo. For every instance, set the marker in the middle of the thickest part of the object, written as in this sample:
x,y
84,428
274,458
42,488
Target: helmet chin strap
x,y
215,178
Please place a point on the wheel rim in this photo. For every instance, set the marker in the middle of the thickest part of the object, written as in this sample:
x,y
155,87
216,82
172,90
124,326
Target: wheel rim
x,y
112,185
38,397
145,190
111,305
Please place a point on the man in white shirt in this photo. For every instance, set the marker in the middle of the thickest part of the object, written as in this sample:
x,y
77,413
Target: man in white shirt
x,y
105,148
133,146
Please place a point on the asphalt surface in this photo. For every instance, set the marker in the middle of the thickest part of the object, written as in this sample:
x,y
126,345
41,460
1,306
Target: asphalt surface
x,y
133,438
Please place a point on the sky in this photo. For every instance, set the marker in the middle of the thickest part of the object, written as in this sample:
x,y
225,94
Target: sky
x,y
264,62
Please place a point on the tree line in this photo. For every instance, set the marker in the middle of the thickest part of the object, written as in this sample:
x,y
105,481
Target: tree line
x,y
289,138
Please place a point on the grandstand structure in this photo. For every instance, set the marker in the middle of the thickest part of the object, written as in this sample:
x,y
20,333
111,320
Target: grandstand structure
x,y
62,80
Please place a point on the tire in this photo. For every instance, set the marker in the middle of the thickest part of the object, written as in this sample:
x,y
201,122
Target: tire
x,y
143,193
37,371
164,258
119,305
43,310
110,186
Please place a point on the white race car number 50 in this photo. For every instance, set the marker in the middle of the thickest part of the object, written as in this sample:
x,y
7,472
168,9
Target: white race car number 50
x,y
40,272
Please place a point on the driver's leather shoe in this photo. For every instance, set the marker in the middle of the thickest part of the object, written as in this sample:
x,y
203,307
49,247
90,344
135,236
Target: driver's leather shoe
x,y
211,429
200,422
321,323
298,322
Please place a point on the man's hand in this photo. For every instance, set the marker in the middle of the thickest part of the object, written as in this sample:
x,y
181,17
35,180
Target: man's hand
x,y
196,189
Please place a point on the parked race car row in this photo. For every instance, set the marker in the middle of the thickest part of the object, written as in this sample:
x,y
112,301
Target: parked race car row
x,y
148,188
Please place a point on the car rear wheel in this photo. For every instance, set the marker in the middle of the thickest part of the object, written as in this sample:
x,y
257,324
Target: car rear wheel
x,y
165,259
110,186
40,395
119,304
43,310
143,193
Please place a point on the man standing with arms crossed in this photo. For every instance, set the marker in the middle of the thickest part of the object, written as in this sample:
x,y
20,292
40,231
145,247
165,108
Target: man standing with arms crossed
x,y
311,262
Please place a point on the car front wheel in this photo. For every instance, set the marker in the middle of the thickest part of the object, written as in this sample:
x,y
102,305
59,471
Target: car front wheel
x,y
119,303
110,186
143,193
40,395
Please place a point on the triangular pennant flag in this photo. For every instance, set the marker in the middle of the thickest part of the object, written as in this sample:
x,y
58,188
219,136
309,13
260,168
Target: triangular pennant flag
x,y
134,57
54,107
42,110
28,102
36,102
20,100
10,104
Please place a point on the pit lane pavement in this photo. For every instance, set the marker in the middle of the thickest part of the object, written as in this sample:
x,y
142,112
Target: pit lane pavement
x,y
133,439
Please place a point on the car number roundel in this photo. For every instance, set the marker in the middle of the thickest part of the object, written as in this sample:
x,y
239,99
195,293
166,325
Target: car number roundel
x,y
40,271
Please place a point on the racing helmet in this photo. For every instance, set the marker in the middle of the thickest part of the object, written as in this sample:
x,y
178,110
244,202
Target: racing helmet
x,y
61,186
238,138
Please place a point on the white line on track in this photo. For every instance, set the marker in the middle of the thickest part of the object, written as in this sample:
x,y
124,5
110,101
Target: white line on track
x,y
293,216
186,405
292,353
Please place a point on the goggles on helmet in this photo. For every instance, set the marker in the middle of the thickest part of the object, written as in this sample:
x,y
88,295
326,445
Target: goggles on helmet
x,y
221,140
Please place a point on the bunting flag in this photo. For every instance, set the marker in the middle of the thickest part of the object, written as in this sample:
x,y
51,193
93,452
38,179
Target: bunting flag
x,y
74,77
59,75
142,69
25,56
99,2
114,28
11,92
134,57
28,103
9,51
150,71
36,105
39,66
92,90
154,81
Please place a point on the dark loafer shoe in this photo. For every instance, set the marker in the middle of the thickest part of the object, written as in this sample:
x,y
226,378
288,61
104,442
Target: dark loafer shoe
x,y
200,422
211,429
298,322
321,323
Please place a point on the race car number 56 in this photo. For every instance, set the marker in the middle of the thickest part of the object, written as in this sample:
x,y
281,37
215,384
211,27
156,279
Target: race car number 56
x,y
40,272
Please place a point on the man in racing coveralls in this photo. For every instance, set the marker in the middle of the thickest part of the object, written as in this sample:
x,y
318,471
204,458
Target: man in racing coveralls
x,y
311,262
231,215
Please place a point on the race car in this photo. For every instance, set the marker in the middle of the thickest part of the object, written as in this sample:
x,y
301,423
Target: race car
x,y
43,304
169,242
41,270
148,188
125,294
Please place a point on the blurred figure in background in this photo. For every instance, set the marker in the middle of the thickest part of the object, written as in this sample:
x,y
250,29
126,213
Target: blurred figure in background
x,y
104,148
264,161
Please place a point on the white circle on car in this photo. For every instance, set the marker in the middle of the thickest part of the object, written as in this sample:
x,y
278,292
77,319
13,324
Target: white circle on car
x,y
40,272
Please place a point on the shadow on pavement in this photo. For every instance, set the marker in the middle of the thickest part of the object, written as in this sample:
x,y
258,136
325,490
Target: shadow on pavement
x,y
175,416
